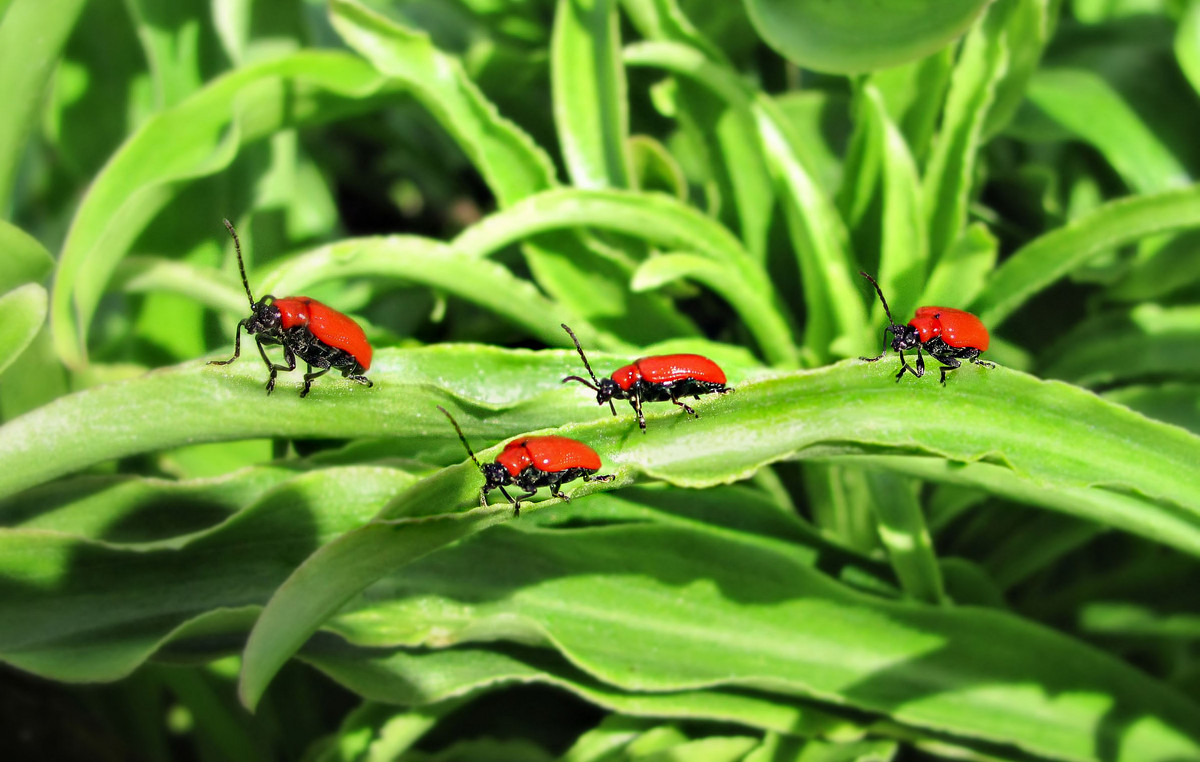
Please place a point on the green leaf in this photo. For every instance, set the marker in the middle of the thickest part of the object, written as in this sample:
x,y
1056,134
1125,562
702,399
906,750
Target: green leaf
x,y
1187,44
836,319
197,138
904,535
771,623
960,275
656,218
859,35
746,301
25,260
590,106
1051,256
1089,108
200,284
22,313
1145,342
434,264
903,256
950,173
1046,434
514,167
32,35
420,678
511,163
85,610
1106,507
311,594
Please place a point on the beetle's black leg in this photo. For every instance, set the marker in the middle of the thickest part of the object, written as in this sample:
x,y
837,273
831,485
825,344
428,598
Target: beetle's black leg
x,y
602,478
686,408
555,491
362,380
975,359
288,355
308,378
635,399
237,345
903,367
873,359
948,364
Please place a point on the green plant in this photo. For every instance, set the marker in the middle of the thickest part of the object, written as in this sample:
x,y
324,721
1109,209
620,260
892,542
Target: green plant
x,y
825,565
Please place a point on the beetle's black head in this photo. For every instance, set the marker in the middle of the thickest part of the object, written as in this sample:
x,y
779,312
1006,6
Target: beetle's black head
x,y
494,475
265,318
608,390
903,336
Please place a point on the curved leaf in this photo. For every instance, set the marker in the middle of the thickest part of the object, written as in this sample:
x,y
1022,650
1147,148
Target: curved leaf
x,y
836,320
22,313
1048,258
590,106
430,263
654,217
766,621
1086,105
1046,433
25,260
197,138
513,165
32,35
84,610
854,36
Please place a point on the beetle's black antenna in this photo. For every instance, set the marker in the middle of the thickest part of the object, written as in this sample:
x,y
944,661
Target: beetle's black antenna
x,y
879,291
461,437
237,246
594,386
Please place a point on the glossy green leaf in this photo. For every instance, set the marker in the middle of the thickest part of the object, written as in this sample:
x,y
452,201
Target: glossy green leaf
x,y
904,535
22,313
419,678
949,178
1147,341
775,625
835,314
1187,44
903,256
511,163
860,35
84,610
514,167
429,263
656,218
1047,434
32,34
590,106
25,260
1089,108
746,301
197,138
1051,256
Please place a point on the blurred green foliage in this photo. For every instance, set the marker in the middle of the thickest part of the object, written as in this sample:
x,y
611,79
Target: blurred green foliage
x,y
826,565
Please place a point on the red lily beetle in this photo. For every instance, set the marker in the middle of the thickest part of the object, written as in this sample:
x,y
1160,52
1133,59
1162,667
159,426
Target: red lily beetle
x,y
948,335
654,379
533,462
320,336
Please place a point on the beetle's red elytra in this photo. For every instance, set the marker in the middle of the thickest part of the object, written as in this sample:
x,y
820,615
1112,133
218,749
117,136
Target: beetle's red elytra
x,y
654,379
319,335
949,335
532,463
